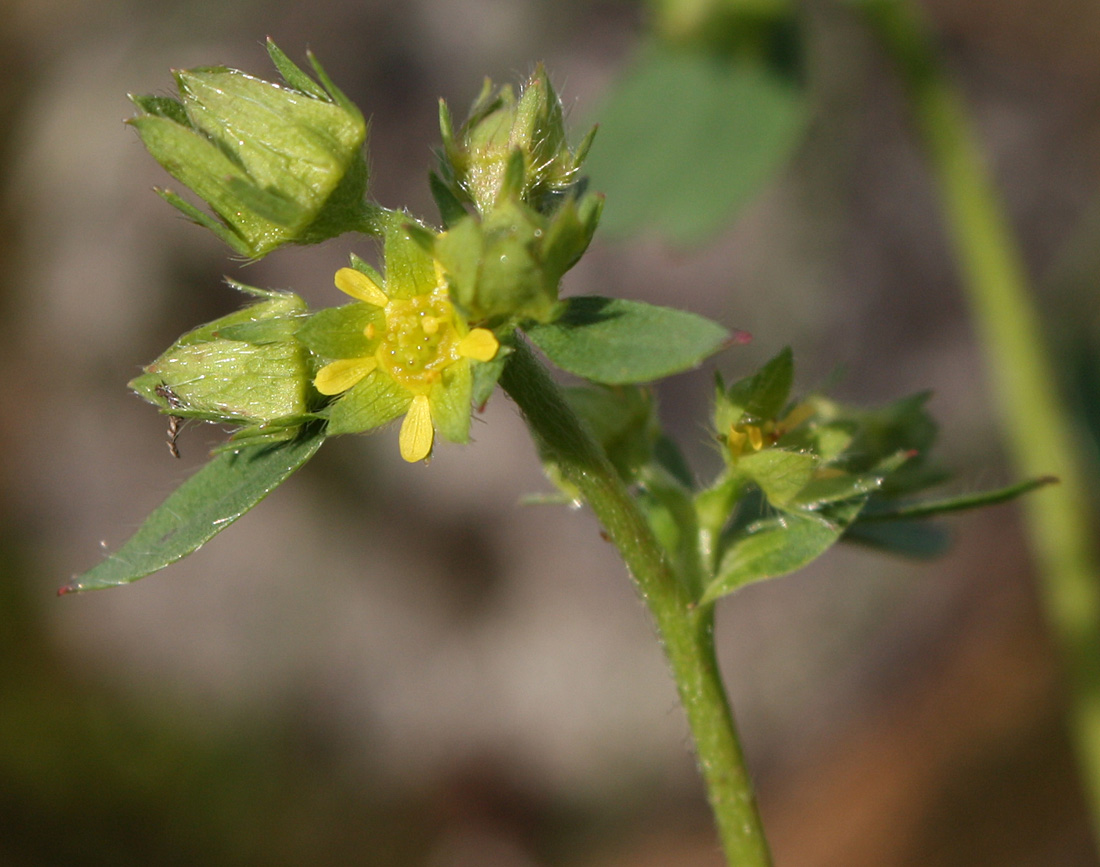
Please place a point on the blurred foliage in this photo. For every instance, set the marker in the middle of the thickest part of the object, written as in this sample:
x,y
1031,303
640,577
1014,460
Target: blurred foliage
x,y
689,136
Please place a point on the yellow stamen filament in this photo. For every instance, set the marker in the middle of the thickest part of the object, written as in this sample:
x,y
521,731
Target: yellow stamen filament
x,y
416,430
359,286
341,375
480,344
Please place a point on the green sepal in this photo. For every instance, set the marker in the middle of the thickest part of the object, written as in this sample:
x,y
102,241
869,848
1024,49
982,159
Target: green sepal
x,y
246,368
615,342
372,402
507,266
510,148
204,505
294,76
224,233
277,164
827,489
757,398
486,374
450,208
338,332
161,106
410,270
780,474
450,402
904,425
365,267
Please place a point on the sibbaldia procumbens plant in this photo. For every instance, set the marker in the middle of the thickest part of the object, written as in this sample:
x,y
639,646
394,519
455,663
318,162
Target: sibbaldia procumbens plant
x,y
452,311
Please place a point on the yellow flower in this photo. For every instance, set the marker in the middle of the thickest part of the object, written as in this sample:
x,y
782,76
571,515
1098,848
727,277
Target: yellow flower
x,y
413,354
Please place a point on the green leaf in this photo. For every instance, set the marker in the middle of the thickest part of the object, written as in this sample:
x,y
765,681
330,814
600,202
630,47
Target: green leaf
x,y
927,509
917,539
208,502
618,342
689,137
774,547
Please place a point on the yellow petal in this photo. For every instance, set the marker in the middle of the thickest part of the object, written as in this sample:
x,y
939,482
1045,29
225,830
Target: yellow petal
x,y
359,285
416,430
480,344
341,375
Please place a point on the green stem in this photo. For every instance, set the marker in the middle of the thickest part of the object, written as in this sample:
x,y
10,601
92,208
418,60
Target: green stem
x,y
686,630
1037,427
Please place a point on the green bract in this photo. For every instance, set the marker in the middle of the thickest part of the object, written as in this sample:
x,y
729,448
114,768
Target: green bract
x,y
246,369
279,164
510,145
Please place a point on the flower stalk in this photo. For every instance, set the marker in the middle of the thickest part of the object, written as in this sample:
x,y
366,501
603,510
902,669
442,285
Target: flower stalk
x,y
686,630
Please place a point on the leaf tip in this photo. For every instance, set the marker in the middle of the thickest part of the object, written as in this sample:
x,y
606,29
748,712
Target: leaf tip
x,y
739,338
66,589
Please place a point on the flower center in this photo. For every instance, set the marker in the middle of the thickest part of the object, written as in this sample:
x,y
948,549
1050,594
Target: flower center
x,y
420,339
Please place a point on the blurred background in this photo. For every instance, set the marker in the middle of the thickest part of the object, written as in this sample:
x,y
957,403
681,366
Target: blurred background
x,y
387,664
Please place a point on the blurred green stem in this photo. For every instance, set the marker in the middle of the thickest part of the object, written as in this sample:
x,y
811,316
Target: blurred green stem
x,y
1037,427
686,630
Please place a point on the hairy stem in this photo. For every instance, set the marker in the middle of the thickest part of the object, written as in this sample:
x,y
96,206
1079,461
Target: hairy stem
x,y
685,630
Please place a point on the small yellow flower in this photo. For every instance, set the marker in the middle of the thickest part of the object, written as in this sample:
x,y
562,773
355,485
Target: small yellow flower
x,y
416,355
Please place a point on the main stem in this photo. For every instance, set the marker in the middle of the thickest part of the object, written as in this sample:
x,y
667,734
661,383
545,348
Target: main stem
x,y
1036,424
685,630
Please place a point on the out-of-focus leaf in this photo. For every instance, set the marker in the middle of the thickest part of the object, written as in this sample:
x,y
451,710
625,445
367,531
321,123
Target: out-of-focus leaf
x,y
917,539
688,137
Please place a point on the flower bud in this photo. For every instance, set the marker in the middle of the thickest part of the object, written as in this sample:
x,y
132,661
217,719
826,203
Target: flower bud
x,y
511,146
278,163
508,266
246,369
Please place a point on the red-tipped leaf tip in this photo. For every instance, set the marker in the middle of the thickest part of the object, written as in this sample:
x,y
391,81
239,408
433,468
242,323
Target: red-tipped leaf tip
x,y
66,589
740,338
